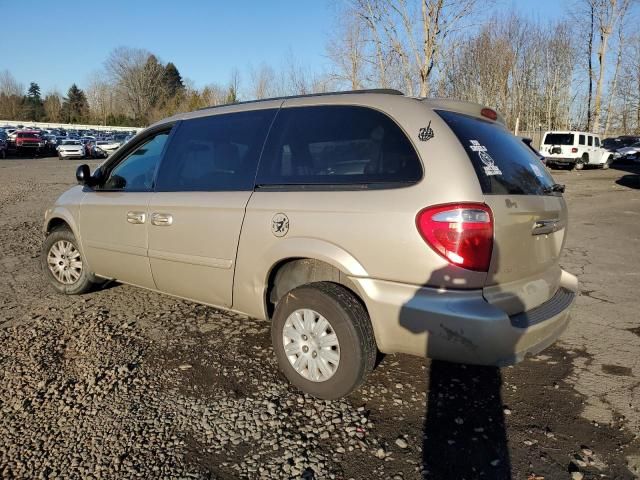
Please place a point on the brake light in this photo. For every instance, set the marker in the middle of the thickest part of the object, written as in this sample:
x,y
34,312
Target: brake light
x,y
462,233
489,113
574,150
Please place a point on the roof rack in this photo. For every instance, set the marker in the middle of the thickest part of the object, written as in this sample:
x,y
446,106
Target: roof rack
x,y
386,91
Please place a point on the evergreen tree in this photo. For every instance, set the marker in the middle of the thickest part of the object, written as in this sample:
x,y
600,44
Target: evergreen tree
x,y
75,108
33,107
172,80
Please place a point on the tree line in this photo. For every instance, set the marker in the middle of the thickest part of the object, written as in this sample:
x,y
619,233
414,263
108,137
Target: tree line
x,y
579,71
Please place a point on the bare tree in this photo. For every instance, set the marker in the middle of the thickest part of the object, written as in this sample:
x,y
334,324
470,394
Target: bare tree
x,y
263,82
137,75
607,13
53,106
11,92
347,51
100,95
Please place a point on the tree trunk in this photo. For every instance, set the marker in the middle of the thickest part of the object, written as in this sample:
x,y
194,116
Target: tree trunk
x,y
590,53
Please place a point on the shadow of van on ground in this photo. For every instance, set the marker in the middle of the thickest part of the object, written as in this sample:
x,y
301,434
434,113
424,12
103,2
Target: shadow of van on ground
x,y
464,434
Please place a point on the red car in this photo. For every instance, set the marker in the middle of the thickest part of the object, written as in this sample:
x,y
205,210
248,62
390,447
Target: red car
x,y
28,141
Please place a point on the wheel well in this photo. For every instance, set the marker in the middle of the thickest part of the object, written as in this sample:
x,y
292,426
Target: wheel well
x,y
56,223
295,272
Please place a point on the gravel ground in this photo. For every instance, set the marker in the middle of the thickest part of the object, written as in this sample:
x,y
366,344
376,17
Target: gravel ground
x,y
125,383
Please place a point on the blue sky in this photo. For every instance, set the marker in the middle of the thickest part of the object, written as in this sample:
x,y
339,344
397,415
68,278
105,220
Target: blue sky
x,y
66,41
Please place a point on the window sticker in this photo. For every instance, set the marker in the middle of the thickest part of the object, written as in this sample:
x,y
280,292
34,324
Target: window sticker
x,y
537,171
489,164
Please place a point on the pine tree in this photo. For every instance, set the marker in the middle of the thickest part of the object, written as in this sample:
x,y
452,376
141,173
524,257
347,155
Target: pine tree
x,y
75,107
33,107
172,80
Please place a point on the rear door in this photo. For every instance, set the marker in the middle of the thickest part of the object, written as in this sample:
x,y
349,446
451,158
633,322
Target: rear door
x,y
204,183
529,221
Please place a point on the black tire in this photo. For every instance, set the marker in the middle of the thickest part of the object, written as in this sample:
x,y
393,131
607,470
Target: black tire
x,y
580,163
605,165
350,323
86,280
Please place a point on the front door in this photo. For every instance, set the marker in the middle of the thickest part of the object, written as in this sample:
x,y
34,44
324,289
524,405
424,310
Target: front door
x,y
204,183
114,216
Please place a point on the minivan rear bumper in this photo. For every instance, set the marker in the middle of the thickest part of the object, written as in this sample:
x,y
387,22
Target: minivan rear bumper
x,y
460,325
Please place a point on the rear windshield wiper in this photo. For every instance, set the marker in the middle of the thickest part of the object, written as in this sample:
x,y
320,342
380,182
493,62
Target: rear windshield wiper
x,y
555,188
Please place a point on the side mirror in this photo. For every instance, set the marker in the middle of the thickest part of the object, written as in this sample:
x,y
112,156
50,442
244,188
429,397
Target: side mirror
x,y
83,175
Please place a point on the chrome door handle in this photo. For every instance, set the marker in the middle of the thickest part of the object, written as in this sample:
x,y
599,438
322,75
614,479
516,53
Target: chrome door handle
x,y
136,217
161,219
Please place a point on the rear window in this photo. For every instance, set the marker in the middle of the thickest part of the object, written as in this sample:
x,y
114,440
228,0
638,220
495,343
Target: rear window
x,y
503,163
337,145
559,139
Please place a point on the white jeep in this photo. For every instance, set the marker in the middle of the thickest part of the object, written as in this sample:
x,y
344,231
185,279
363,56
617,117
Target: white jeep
x,y
574,150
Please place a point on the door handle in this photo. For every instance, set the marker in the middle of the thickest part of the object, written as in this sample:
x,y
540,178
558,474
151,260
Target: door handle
x,y
136,217
161,219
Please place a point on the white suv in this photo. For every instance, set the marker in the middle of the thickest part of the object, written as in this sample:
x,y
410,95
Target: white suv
x,y
574,150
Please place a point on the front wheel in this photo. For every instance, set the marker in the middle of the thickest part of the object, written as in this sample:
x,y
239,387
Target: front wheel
x,y
63,265
323,340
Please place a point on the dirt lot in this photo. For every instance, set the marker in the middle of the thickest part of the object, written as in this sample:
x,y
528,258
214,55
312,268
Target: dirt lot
x,y
125,383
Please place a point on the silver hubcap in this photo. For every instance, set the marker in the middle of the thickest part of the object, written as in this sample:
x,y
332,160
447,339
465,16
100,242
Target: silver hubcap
x,y
64,262
311,345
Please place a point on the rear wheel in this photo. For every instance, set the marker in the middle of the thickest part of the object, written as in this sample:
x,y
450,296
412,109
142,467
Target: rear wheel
x,y
323,340
63,264
580,163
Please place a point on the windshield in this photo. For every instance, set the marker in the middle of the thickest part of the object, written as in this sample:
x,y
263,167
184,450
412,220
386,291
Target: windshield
x,y
71,142
559,139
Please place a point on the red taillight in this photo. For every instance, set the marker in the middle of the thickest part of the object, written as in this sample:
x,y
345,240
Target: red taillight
x,y
574,150
489,113
462,233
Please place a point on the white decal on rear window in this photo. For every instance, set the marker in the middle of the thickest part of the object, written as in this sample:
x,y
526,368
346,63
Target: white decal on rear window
x,y
537,171
476,147
489,164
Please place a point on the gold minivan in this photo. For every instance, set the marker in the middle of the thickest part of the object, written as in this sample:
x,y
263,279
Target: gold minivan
x,y
354,222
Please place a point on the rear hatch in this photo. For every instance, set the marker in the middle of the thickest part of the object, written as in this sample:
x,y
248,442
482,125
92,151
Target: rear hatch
x,y
558,145
530,219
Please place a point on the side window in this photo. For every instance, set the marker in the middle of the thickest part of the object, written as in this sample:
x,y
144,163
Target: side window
x,y
590,140
581,140
337,145
215,153
135,173
597,140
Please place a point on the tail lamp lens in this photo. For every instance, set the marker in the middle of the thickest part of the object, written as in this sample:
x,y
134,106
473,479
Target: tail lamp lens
x,y
460,233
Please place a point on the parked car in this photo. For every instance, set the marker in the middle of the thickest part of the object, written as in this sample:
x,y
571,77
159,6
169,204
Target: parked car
x,y
28,141
110,146
94,149
632,152
71,149
574,150
4,144
354,222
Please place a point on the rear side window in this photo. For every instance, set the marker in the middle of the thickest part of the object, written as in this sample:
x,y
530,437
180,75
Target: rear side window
x,y
590,141
559,139
215,153
581,140
503,164
337,145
